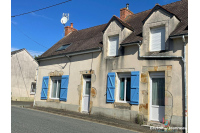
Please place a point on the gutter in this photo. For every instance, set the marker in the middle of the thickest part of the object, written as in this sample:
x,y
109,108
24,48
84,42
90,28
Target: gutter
x,y
139,42
129,44
178,36
72,54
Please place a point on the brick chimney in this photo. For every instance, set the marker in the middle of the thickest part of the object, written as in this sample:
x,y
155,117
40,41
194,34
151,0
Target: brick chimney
x,y
69,29
125,12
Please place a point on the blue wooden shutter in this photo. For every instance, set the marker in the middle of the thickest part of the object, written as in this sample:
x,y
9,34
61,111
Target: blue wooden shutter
x,y
44,90
135,81
110,94
64,87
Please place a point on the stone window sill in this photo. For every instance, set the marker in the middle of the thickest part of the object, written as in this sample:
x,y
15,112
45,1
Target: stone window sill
x,y
122,105
53,100
32,93
111,57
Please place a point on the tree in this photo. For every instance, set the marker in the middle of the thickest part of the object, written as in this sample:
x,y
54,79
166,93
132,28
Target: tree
x,y
36,57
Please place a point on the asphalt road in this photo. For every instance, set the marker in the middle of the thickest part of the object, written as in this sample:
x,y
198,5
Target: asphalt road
x,y
31,121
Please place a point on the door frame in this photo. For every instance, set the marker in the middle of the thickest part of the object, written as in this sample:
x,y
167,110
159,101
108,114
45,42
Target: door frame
x,y
154,75
83,94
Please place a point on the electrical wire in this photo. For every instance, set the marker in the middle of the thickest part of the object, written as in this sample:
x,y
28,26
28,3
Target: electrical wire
x,y
29,37
36,42
42,8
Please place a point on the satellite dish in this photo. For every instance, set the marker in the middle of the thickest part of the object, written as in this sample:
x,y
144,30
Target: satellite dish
x,y
64,18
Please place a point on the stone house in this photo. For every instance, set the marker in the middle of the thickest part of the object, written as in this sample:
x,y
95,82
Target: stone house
x,y
23,75
132,65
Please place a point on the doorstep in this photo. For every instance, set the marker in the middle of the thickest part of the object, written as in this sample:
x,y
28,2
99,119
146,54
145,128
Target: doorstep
x,y
155,124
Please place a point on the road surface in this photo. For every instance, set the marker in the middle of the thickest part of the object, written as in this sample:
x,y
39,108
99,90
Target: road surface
x,y
25,120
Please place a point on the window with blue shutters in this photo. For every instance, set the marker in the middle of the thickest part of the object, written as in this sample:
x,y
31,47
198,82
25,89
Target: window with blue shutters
x,y
58,87
110,93
134,91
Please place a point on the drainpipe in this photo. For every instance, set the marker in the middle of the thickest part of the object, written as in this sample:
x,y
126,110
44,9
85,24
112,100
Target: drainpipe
x,y
36,86
69,61
185,88
184,69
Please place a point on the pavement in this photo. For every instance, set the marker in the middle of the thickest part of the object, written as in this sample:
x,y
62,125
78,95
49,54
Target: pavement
x,y
86,117
22,103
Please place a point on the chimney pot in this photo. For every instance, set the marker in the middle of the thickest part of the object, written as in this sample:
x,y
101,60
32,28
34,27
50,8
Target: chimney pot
x,y
127,6
72,25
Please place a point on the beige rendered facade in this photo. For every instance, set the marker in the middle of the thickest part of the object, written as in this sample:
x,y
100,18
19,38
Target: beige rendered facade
x,y
23,76
131,57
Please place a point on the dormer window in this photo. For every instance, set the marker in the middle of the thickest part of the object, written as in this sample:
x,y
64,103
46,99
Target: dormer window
x,y
113,43
157,39
63,47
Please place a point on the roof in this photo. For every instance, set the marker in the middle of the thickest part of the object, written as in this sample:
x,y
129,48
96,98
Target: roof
x,y
80,40
120,21
179,8
92,38
16,51
158,7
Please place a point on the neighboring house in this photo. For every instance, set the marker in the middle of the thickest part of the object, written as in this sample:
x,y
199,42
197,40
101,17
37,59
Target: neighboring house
x,y
132,65
23,75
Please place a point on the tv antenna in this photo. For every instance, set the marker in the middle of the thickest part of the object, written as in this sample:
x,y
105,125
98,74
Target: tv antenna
x,y
65,18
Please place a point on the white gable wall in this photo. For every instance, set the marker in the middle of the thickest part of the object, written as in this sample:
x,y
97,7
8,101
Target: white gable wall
x,y
23,73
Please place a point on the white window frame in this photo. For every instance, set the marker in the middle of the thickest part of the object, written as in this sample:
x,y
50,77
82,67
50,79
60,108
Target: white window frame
x,y
122,75
109,46
162,47
55,78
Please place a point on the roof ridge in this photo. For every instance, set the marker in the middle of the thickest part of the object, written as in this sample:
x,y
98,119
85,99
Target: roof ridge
x,y
17,51
91,27
172,3
152,8
84,29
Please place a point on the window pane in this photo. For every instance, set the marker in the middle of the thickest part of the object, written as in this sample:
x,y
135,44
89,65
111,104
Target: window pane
x,y
63,47
122,89
128,86
161,92
88,86
33,87
53,91
113,45
158,91
157,39
58,89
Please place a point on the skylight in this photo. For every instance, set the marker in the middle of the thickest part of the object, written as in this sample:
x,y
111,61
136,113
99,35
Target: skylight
x,y
63,47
